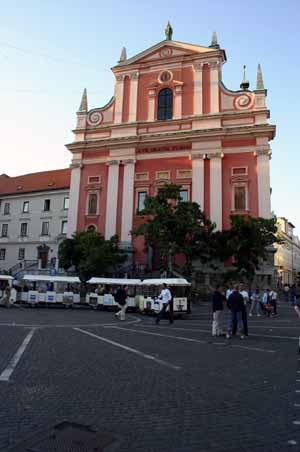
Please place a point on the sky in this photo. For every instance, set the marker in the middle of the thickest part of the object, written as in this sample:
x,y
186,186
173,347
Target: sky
x,y
51,50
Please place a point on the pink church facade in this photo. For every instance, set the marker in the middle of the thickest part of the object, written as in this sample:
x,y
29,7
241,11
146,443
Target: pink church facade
x,y
171,119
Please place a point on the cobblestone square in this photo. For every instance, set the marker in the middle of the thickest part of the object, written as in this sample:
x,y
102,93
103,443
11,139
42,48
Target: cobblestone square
x,y
153,388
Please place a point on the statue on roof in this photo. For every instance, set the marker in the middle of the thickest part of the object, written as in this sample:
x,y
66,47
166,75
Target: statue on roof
x,y
168,32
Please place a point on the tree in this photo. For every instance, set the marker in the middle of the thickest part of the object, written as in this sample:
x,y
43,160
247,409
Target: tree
x,y
90,254
248,241
175,227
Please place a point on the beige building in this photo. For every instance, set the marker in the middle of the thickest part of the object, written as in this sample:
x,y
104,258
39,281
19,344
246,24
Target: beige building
x,y
287,257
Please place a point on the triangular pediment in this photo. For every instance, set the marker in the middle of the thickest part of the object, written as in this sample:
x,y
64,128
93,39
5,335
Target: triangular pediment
x,y
166,49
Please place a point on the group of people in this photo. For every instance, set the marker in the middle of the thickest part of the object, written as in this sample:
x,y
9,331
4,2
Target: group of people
x,y
165,295
237,299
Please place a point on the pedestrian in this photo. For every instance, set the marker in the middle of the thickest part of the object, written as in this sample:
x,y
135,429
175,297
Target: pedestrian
x,y
297,302
244,319
273,296
266,299
218,309
292,294
228,291
120,298
286,290
236,305
255,303
166,309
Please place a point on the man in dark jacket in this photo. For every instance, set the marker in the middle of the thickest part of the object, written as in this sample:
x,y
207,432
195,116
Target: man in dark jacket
x,y
236,305
217,302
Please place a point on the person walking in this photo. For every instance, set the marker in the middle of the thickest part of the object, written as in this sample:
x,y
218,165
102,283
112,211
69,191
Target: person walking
x,y
166,298
244,319
120,298
266,299
273,301
286,290
236,305
255,303
218,309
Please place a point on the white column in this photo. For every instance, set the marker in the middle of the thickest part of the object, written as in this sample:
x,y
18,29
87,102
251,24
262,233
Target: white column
x,y
198,180
214,87
198,89
128,197
178,102
119,95
151,104
134,83
215,185
112,199
263,183
74,200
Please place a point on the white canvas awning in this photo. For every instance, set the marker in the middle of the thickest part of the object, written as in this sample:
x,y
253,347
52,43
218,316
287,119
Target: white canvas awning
x,y
6,277
115,281
48,278
168,281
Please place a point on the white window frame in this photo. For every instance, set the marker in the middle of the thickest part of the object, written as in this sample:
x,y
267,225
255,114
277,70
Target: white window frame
x,y
185,188
178,176
21,258
239,184
6,209
162,178
87,204
48,210
25,203
24,235
137,191
240,174
4,235
66,198
64,222
95,181
48,228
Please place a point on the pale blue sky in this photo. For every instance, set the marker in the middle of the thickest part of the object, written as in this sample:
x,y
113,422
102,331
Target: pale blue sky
x,y
51,50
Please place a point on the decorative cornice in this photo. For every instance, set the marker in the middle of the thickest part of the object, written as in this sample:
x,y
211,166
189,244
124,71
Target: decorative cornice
x,y
214,155
112,162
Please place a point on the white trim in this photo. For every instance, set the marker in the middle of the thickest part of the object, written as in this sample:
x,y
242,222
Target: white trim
x,y
94,182
91,192
74,201
198,181
263,184
134,84
188,189
178,171
168,177
216,191
119,95
214,89
127,204
140,173
239,174
112,201
198,110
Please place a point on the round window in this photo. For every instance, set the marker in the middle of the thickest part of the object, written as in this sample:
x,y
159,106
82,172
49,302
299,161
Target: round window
x,y
165,76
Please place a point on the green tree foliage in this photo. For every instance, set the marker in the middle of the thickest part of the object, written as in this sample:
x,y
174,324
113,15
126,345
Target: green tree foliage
x,y
90,254
247,242
175,227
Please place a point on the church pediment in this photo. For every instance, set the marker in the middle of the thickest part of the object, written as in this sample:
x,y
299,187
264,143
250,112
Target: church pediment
x,y
165,49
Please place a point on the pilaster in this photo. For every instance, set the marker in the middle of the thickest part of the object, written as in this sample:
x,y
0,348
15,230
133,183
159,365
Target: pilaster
x,y
198,67
119,95
198,179
112,199
216,188
128,197
263,181
134,82
74,200
214,87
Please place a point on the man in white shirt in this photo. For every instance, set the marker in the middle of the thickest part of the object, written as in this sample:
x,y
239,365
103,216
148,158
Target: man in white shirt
x,y
166,298
273,296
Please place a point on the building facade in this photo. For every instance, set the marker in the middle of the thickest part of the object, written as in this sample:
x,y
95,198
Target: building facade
x,y
287,256
33,219
171,119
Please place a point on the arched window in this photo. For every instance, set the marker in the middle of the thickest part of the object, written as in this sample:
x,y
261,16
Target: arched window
x,y
165,104
91,228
